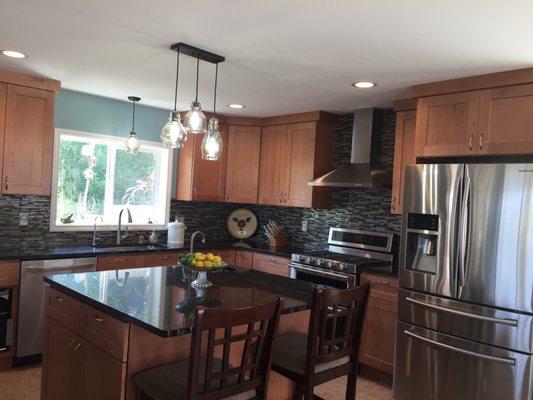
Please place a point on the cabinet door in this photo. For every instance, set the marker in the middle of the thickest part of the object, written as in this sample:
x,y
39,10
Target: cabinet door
x,y
27,164
271,264
99,376
243,259
161,259
242,177
125,261
59,362
300,164
209,177
506,121
3,102
447,125
404,154
274,142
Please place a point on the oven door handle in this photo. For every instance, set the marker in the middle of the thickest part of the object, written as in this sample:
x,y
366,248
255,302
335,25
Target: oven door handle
x,y
325,273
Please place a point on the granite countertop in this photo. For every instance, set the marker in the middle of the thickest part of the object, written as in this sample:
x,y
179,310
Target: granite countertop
x,y
161,300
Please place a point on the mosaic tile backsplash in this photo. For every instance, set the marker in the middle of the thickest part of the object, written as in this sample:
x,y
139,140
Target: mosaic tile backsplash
x,y
367,209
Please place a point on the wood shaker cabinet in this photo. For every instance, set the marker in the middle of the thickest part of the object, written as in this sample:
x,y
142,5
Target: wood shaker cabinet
x,y
244,259
199,179
506,121
271,264
379,327
242,176
447,125
404,154
291,156
28,130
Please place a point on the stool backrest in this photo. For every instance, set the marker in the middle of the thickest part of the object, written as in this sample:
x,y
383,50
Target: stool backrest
x,y
335,325
253,329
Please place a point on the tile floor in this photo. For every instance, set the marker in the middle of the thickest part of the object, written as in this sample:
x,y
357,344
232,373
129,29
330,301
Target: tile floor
x,y
25,384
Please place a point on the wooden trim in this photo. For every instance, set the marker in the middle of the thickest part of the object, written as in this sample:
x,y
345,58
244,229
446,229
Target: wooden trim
x,y
404,104
35,82
301,117
244,121
486,81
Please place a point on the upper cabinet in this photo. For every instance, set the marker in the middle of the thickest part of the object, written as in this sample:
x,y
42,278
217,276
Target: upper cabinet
x,y
482,115
447,125
199,179
26,133
506,120
291,156
404,154
242,175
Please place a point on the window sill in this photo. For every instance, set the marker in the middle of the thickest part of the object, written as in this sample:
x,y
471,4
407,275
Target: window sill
x,y
104,228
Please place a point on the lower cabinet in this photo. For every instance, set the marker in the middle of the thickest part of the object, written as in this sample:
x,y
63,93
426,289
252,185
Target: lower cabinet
x,y
271,264
122,261
244,259
378,337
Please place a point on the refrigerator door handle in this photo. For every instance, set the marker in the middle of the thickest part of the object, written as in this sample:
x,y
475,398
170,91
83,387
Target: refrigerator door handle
x,y
504,321
463,232
504,360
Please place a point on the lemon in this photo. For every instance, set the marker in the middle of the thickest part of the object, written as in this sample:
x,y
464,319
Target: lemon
x,y
210,256
199,264
199,256
217,259
208,264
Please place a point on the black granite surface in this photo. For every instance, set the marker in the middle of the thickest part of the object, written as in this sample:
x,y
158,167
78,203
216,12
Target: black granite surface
x,y
149,297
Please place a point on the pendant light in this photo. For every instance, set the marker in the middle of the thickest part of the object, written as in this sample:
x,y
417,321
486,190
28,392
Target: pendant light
x,y
173,134
195,121
132,144
212,141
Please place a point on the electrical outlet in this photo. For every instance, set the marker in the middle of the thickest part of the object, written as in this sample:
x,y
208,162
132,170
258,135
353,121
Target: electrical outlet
x,y
24,219
304,225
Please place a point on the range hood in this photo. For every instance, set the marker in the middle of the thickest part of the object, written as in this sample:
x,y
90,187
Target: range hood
x,y
365,169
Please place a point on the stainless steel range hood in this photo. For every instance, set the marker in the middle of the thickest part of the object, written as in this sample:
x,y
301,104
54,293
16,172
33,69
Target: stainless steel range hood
x,y
365,169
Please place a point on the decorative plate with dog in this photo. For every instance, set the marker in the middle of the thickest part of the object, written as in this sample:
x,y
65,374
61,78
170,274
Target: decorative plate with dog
x,y
241,223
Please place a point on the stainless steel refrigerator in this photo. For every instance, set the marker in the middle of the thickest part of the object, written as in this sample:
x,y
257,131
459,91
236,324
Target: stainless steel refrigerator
x,y
465,313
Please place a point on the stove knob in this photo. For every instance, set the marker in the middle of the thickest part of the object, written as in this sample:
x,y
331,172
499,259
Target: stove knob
x,y
330,264
299,258
342,267
308,260
319,262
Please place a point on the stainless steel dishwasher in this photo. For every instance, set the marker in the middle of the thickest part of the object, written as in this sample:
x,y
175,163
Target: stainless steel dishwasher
x,y
30,330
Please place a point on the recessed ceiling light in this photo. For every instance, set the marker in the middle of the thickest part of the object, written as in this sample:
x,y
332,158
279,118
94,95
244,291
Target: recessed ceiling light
x,y
13,54
364,84
237,106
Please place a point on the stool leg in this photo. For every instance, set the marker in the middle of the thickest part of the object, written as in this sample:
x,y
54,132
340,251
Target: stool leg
x,y
351,385
297,392
308,392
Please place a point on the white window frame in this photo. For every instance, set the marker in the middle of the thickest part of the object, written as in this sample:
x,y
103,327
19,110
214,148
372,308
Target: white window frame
x,y
54,227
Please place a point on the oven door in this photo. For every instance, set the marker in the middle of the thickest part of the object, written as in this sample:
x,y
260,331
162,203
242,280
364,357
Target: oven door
x,y
321,276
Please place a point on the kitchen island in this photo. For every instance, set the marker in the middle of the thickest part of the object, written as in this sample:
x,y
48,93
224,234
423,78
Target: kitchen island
x,y
104,327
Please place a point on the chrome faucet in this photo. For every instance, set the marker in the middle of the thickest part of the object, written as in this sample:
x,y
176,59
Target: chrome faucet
x,y
192,239
95,239
120,236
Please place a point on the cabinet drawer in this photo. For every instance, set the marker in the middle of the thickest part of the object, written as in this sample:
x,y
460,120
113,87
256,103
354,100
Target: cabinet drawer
x,y
161,259
123,261
244,259
62,308
382,287
9,273
228,256
271,264
104,331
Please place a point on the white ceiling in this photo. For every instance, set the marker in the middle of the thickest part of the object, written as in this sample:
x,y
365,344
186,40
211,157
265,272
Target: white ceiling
x,y
283,56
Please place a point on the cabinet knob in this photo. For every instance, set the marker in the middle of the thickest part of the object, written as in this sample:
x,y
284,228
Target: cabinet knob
x,y
6,183
470,145
394,203
60,299
98,319
481,142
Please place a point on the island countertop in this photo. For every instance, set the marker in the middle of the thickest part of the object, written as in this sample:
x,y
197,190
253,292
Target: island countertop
x,y
161,300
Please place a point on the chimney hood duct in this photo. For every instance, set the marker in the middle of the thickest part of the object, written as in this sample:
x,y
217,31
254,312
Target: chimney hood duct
x,y
365,169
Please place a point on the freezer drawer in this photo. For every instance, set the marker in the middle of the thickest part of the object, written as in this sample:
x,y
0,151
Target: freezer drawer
x,y
488,325
435,366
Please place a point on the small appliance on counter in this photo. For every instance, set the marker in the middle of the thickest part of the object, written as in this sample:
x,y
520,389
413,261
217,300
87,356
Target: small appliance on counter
x,y
241,224
176,233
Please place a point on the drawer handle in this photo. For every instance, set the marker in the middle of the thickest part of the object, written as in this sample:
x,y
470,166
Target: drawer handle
x,y
164,257
71,344
60,299
98,319
382,282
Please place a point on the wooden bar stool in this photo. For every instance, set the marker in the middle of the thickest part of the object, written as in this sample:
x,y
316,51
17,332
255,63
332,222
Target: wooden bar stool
x,y
330,348
213,378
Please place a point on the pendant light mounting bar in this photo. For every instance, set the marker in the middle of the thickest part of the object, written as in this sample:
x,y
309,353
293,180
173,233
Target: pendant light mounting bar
x,y
198,53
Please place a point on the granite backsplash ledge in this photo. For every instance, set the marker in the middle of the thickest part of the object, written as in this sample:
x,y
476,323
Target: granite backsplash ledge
x,y
366,209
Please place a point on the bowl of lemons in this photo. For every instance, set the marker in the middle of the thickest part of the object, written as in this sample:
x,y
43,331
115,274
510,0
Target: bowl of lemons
x,y
202,263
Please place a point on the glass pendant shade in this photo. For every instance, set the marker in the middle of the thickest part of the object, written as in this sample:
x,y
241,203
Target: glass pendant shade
x,y
173,134
195,121
132,144
212,142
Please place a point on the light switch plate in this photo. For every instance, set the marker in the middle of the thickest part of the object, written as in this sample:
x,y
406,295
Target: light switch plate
x,y
304,225
24,219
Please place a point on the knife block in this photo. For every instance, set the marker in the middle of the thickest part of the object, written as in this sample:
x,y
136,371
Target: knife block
x,y
280,241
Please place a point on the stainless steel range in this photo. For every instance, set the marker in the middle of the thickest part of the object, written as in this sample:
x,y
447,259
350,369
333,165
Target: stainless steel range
x,y
348,250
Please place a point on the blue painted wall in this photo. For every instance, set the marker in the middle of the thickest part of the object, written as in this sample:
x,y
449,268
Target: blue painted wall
x,y
94,114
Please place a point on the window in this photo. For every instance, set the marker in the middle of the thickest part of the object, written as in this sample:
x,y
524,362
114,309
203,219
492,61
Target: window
x,y
95,178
